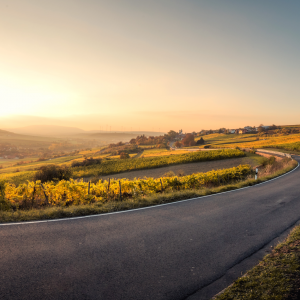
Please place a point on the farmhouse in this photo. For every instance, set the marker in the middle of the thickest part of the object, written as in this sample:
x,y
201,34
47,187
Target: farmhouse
x,y
242,131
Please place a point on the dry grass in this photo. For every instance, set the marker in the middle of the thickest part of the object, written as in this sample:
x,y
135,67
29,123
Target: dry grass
x,y
277,276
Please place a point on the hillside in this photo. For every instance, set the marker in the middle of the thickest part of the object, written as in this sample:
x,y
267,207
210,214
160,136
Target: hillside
x,y
47,130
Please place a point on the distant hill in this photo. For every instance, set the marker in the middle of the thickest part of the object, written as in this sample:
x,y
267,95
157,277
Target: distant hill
x,y
4,133
47,130
24,140
114,137
71,132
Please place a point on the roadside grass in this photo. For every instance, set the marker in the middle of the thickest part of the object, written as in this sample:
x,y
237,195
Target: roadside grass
x,y
277,276
256,158
136,202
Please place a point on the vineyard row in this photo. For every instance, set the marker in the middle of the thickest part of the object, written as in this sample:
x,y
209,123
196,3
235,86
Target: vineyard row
x,y
65,193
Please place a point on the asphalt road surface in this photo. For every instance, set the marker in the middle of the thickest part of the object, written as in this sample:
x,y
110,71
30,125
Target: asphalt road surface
x,y
164,252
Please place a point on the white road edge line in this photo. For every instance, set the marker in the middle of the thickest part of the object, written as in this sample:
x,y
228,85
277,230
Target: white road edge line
x,y
142,208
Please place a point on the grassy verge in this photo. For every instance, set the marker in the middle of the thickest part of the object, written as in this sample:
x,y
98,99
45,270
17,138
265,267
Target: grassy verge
x,y
141,201
277,276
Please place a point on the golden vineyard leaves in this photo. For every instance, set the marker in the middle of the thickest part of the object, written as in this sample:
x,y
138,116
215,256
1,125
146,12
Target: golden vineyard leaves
x,y
65,193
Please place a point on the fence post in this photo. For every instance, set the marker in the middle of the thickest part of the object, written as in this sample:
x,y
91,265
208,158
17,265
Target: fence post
x,y
89,187
162,188
32,199
218,180
47,201
256,173
108,185
120,190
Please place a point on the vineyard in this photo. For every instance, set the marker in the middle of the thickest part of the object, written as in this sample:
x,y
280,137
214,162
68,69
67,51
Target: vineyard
x,y
116,166
288,146
66,193
249,140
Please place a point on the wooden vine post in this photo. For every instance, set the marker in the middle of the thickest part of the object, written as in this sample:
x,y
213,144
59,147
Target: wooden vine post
x,y
32,199
120,190
108,185
161,185
89,187
47,200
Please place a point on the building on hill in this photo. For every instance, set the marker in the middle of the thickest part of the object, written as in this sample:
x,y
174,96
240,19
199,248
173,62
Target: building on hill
x,y
242,131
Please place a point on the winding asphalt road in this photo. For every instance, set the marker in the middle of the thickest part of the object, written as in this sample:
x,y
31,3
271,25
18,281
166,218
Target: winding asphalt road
x,y
164,252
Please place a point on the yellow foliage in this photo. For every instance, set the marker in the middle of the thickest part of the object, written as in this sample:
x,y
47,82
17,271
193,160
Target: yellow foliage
x,y
65,193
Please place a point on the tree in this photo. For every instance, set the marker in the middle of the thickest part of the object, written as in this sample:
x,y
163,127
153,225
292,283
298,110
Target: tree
x,y
189,138
260,129
53,173
201,141
172,134
124,155
178,144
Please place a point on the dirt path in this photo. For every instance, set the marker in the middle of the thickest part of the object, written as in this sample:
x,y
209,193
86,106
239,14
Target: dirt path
x,y
186,168
139,154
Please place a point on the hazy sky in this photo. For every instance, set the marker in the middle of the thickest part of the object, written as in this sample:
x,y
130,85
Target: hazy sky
x,y
150,64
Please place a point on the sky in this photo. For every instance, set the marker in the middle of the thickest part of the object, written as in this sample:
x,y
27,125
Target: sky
x,y
149,65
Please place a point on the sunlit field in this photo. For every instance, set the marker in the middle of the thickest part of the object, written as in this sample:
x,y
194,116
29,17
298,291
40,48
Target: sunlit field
x,y
161,152
247,140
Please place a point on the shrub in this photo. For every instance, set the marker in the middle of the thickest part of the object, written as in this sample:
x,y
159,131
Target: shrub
x,y
268,161
180,173
206,146
53,173
86,162
169,174
272,160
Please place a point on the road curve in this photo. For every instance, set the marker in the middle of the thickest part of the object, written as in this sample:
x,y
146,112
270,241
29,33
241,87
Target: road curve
x,y
165,252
